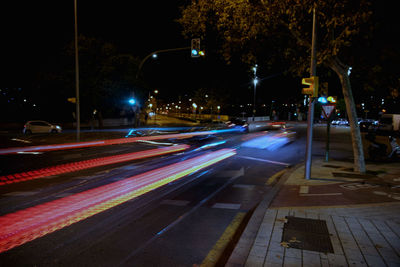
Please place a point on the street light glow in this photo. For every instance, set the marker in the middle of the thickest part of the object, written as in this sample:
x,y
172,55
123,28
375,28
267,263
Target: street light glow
x,y
132,101
255,81
349,71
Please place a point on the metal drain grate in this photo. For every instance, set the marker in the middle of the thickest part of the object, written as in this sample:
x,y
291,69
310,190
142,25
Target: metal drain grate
x,y
307,234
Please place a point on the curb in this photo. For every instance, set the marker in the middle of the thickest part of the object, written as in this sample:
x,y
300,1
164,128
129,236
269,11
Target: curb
x,y
242,249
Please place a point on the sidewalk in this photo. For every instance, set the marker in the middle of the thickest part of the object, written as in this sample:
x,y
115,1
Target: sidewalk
x,y
337,218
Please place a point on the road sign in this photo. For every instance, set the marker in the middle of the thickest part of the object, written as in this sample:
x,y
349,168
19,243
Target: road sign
x,y
328,110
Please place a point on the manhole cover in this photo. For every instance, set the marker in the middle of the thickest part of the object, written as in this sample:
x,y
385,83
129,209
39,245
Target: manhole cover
x,y
307,234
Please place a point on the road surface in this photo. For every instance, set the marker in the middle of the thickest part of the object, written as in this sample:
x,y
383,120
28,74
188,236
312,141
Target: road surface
x,y
102,216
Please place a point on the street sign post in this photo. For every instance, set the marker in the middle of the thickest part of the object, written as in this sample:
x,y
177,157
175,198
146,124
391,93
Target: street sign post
x,y
310,115
328,110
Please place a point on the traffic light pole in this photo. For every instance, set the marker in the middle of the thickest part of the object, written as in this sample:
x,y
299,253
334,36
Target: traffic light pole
x,y
159,52
310,117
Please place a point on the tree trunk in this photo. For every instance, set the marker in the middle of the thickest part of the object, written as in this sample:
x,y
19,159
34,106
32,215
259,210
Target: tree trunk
x,y
358,152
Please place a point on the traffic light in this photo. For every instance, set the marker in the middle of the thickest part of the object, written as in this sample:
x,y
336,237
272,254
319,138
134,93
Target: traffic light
x,y
72,100
312,90
332,99
195,47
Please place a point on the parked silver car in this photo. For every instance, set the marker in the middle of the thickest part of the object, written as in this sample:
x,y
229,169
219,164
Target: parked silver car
x,y
40,127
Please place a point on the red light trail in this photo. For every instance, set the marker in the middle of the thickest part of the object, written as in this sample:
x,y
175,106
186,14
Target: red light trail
x,y
86,164
13,150
26,225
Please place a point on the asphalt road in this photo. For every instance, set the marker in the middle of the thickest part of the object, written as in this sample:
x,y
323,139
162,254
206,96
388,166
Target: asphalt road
x,y
177,224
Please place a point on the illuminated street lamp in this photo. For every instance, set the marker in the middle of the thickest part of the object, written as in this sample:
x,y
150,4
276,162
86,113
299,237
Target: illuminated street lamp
x,y
255,81
132,101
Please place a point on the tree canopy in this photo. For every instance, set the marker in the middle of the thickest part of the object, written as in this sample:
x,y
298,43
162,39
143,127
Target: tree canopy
x,y
256,28
269,31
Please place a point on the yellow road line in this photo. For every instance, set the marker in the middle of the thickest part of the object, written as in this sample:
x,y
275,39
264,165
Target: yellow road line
x,y
272,179
216,252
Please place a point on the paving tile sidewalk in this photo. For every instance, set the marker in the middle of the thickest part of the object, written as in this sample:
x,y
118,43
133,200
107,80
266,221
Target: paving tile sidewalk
x,y
362,217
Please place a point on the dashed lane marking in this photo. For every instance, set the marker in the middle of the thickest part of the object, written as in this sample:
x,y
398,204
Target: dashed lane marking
x,y
231,173
21,194
323,194
231,206
64,195
266,160
245,186
175,202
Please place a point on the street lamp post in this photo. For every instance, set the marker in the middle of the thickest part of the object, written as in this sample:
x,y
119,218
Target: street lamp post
x,y
77,115
255,81
155,55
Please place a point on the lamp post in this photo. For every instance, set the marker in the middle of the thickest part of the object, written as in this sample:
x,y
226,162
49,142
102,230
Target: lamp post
x,y
77,115
255,81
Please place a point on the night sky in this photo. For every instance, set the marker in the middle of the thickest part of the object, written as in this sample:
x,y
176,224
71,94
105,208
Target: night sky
x,y
35,32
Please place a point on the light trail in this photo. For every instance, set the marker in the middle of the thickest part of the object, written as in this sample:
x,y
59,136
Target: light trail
x,y
270,142
13,150
26,225
86,164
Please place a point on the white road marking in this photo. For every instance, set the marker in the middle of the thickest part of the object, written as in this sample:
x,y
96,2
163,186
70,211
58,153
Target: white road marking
x,y
266,160
175,202
232,173
21,193
322,194
380,193
303,189
231,206
64,195
21,140
245,186
355,186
